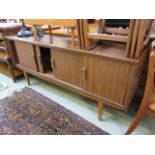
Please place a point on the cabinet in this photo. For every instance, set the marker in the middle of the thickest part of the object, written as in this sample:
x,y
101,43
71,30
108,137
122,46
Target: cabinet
x,y
97,74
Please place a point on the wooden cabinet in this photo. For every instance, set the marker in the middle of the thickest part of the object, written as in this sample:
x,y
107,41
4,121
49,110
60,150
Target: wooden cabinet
x,y
106,78
67,67
103,78
26,55
97,74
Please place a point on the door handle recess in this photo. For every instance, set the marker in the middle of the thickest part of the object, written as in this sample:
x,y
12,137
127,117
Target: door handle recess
x,y
84,73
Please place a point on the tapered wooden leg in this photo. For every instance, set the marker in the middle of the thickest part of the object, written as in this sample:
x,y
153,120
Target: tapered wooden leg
x,y
138,118
26,75
100,110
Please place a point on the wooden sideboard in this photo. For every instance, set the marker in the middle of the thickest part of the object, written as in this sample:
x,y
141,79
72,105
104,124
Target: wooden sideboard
x,y
100,74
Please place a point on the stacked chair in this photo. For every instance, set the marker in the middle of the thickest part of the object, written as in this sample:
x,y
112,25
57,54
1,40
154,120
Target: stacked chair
x,y
133,33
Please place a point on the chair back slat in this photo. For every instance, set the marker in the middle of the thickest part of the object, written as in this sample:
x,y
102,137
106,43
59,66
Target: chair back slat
x,y
134,39
130,37
143,37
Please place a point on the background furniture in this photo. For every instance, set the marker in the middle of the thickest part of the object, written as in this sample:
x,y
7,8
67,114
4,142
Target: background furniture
x,y
148,103
6,65
52,22
135,35
103,72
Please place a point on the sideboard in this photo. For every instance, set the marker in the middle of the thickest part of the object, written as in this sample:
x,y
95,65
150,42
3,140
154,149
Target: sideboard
x,y
99,74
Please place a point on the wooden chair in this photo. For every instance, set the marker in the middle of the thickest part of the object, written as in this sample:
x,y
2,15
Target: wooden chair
x,y
148,102
106,33
135,35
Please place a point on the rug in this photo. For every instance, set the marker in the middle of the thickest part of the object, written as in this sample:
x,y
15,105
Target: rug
x,y
28,112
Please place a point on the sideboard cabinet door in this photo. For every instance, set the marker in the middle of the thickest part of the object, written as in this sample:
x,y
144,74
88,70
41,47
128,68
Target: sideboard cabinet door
x,y
106,78
26,55
67,67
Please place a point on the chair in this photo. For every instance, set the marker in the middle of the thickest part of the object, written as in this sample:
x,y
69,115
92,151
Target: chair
x,y
148,102
134,33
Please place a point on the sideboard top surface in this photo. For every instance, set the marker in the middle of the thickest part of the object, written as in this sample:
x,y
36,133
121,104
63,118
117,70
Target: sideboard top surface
x,y
108,49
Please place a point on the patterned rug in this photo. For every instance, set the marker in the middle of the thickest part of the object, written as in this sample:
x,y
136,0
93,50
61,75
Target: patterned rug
x,y
29,113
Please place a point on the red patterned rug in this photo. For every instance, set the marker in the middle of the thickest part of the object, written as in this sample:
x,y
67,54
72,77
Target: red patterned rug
x,y
29,113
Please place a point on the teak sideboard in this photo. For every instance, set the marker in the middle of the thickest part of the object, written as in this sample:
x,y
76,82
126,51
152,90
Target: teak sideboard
x,y
99,74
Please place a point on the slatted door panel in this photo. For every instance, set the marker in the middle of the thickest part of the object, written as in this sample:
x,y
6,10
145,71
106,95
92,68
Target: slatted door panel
x,y
67,67
106,78
26,55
